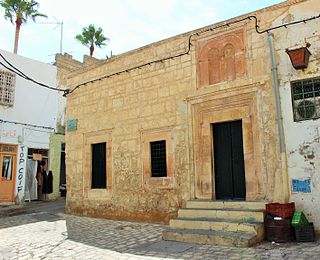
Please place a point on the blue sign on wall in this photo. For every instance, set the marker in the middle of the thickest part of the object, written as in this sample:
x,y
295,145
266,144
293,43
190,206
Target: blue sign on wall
x,y
72,125
302,185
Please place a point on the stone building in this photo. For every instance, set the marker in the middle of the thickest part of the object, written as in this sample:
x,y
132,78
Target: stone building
x,y
196,117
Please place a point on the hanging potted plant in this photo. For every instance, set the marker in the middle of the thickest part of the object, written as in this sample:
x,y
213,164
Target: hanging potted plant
x,y
299,57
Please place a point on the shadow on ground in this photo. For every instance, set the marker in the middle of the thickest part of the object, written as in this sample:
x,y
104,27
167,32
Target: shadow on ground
x,y
142,238
31,212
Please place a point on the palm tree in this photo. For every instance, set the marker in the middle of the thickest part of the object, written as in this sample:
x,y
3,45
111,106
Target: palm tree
x,y
20,11
91,36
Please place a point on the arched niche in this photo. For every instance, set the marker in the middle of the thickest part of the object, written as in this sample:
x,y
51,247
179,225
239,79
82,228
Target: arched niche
x,y
221,58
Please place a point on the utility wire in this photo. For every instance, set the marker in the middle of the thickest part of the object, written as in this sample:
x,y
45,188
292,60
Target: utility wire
x,y
24,75
10,69
68,91
15,70
186,52
26,124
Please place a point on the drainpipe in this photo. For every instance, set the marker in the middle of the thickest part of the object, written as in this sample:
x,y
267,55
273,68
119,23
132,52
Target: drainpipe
x,y
283,157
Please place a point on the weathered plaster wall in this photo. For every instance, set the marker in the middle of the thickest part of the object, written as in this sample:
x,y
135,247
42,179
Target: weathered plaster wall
x,y
302,138
169,98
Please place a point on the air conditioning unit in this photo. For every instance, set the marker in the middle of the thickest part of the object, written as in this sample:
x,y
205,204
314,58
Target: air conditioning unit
x,y
305,109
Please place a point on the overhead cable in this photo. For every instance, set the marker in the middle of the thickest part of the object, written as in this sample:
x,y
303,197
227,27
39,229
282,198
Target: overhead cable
x,y
15,70
187,51
26,124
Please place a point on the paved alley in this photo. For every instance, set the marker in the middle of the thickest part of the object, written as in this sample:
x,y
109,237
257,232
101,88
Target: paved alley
x,y
41,230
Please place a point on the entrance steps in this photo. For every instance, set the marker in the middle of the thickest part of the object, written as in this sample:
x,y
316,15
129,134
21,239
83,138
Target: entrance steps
x,y
223,223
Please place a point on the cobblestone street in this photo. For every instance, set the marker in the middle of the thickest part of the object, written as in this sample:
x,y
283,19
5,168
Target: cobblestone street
x,y
42,231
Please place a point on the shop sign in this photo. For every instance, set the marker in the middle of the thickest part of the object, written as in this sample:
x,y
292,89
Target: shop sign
x,y
37,157
301,185
21,168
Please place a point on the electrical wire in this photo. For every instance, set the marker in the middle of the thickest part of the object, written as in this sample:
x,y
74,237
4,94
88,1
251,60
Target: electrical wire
x,y
8,68
12,65
26,124
186,52
15,70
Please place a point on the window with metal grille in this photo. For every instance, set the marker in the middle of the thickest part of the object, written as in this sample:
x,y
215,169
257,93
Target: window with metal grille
x,y
99,166
7,82
158,159
306,99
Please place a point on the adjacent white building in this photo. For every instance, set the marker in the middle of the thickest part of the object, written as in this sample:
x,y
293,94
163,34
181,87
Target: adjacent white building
x,y
300,104
28,117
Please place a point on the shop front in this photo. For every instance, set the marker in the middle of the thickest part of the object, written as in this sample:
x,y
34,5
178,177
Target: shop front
x,y
8,161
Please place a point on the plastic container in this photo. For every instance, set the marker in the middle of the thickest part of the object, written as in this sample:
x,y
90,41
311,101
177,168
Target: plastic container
x,y
279,231
277,223
284,210
305,233
299,219
279,234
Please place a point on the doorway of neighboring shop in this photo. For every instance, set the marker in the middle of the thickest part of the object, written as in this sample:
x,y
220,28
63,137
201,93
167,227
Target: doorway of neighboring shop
x,y
8,158
39,155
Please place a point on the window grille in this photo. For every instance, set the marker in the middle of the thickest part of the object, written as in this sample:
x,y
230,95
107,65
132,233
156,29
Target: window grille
x,y
7,83
158,159
306,99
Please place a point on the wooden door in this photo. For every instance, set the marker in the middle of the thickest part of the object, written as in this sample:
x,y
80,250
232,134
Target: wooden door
x,y
228,161
7,172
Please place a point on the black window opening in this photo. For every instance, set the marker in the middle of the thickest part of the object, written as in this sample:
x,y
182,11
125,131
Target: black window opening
x,y
158,159
99,166
306,99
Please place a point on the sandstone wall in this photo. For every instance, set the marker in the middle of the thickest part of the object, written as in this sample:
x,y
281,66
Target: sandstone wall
x,y
175,100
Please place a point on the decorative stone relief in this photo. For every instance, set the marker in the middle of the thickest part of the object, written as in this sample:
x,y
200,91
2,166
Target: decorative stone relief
x,y
221,58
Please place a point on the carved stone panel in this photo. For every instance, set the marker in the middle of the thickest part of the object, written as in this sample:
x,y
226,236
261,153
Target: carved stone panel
x,y
221,58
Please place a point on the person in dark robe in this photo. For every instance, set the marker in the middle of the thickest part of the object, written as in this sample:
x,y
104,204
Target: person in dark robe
x,y
47,186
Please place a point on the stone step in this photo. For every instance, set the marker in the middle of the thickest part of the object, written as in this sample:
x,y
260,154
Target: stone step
x,y
217,225
250,205
241,215
220,238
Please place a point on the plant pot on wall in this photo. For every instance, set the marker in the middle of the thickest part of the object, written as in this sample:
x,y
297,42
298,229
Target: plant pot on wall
x,y
299,57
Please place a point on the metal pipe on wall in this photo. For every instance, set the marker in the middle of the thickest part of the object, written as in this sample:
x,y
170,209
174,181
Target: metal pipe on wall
x,y
283,157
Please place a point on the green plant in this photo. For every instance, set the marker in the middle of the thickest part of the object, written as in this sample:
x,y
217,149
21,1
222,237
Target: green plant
x,y
91,37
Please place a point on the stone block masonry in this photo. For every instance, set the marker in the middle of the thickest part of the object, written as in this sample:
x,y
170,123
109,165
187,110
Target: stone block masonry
x,y
224,77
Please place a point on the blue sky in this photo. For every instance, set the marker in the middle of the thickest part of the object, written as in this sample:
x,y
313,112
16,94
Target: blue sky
x,y
128,23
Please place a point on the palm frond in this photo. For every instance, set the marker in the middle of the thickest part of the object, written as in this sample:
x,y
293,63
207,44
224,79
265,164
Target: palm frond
x,y
24,9
92,36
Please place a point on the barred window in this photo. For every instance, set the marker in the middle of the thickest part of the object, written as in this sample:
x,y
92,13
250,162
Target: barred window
x,y
306,99
7,83
158,159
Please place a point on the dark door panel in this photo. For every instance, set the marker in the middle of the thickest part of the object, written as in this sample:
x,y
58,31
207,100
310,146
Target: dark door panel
x,y
222,161
228,160
239,186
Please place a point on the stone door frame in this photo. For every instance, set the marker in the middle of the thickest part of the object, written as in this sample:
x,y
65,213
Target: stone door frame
x,y
221,106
